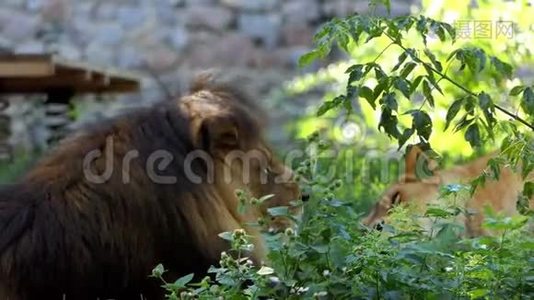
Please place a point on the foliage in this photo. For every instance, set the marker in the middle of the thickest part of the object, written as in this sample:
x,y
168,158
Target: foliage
x,y
472,111
331,256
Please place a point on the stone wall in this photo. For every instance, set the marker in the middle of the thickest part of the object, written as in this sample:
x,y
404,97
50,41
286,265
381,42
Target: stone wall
x,y
256,41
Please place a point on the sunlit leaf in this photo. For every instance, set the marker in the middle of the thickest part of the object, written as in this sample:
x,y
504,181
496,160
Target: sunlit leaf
x,y
453,111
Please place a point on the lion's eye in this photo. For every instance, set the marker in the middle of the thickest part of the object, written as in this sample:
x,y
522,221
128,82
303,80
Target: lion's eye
x,y
396,199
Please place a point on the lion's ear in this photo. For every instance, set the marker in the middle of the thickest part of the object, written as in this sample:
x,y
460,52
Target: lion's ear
x,y
412,155
418,164
218,134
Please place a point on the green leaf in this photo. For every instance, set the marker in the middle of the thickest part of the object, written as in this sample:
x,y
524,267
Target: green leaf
x,y
478,293
367,93
428,93
320,248
438,212
355,31
501,67
484,101
431,79
455,54
475,58
528,190
355,73
343,41
527,101
463,123
497,222
416,83
379,74
158,271
481,57
486,104
328,105
422,123
400,61
472,135
309,57
450,30
407,69
469,105
325,107
390,101
369,67
414,55
183,281
402,85
441,33
453,111
389,123
403,138
422,28
380,87
373,33
516,90
494,165
433,60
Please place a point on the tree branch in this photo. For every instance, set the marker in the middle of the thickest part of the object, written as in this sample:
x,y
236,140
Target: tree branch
x,y
444,76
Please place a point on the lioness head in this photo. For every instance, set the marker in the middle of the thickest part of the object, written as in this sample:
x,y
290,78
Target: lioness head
x,y
412,187
228,131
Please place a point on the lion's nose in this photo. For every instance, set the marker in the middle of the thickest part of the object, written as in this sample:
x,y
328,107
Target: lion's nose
x,y
379,225
305,197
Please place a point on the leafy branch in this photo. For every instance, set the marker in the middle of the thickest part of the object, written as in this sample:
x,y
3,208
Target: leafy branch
x,y
479,108
458,85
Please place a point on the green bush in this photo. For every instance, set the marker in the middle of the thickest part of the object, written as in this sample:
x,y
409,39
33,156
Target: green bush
x,y
331,256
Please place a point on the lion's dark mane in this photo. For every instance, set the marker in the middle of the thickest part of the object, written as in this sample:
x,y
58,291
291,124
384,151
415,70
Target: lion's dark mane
x,y
61,234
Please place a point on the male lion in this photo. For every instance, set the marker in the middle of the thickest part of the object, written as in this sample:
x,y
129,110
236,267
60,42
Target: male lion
x,y
154,186
500,195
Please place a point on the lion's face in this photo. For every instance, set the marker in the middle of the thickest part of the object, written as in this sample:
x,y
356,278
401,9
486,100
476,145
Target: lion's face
x,y
411,189
242,159
417,194
259,174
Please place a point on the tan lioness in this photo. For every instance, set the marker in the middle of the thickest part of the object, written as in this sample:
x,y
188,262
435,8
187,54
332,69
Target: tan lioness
x,y
500,195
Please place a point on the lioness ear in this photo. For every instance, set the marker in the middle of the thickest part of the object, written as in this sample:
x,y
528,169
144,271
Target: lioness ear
x,y
412,154
418,165
218,134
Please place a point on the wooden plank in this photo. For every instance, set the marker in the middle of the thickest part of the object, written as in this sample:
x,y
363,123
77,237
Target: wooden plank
x,y
32,69
44,73
43,85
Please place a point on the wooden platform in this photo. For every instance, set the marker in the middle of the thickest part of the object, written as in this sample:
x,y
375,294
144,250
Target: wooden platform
x,y
27,74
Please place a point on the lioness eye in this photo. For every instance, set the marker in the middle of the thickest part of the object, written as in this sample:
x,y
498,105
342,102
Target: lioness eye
x,y
396,199
267,171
